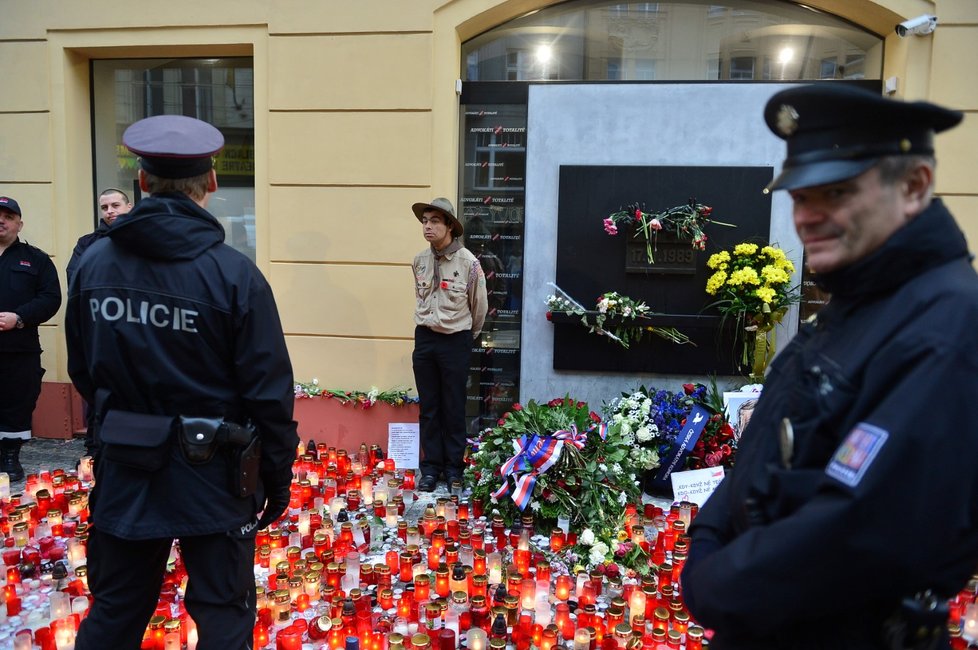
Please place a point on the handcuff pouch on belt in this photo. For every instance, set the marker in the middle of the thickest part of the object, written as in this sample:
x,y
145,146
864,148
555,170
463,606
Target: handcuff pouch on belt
x,y
200,438
137,440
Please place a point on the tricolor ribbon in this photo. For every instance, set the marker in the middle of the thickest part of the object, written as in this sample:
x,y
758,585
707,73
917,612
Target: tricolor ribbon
x,y
534,455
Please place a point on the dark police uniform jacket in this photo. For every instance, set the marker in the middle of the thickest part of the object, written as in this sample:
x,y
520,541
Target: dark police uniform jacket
x,y
82,245
878,498
30,288
171,321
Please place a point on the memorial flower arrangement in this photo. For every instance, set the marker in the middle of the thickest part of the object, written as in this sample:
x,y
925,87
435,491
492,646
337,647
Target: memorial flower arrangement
x,y
621,318
656,417
752,284
608,551
364,399
555,460
686,221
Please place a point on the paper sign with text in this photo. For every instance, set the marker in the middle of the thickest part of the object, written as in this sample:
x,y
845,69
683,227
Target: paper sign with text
x,y
403,440
695,485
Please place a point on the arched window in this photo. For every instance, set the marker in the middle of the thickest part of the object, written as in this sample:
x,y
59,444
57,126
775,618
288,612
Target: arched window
x,y
740,40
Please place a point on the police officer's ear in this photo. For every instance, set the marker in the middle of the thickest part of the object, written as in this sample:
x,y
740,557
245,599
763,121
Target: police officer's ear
x,y
212,181
916,188
143,185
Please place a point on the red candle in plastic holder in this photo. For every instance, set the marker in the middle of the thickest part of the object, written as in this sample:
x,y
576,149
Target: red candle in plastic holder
x,y
13,606
563,587
422,588
563,621
556,539
13,576
453,528
406,566
433,557
479,562
289,638
11,556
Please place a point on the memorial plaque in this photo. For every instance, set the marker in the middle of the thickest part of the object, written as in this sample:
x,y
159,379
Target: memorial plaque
x,y
589,262
669,256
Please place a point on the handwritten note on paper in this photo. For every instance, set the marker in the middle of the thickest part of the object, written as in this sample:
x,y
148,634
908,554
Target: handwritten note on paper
x,y
403,443
696,485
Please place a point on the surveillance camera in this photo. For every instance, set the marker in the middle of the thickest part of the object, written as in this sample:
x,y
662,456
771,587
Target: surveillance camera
x,y
920,26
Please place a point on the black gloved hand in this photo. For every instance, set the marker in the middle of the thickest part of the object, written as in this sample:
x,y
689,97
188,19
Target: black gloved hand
x,y
277,496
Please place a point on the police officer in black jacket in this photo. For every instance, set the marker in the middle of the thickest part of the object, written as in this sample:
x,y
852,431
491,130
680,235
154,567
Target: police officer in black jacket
x,y
175,338
29,295
852,513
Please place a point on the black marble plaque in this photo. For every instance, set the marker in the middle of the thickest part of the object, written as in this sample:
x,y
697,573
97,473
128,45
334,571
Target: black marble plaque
x,y
589,262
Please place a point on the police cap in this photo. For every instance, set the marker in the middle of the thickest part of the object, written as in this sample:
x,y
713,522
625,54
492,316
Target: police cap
x,y
836,131
173,146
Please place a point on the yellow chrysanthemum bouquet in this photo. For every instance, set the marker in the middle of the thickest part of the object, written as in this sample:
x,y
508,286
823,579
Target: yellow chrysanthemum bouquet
x,y
753,284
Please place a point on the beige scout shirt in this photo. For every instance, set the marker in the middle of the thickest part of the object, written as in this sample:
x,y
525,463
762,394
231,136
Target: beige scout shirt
x,y
453,299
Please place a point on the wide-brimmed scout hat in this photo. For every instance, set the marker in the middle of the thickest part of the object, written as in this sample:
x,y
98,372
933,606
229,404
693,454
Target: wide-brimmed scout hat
x,y
444,206
836,131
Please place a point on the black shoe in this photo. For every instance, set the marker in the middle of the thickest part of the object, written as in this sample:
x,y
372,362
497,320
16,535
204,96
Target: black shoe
x,y
10,459
454,478
427,483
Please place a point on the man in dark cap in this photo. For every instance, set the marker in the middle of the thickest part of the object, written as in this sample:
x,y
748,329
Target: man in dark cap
x,y
29,295
175,338
450,288
851,515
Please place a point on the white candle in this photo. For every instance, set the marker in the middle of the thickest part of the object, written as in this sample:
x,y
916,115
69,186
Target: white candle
x,y
476,639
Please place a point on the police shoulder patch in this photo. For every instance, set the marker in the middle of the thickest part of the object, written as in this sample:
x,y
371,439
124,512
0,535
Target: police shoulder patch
x,y
856,453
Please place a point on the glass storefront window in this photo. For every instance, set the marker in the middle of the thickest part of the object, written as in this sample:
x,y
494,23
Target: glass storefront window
x,y
692,40
219,91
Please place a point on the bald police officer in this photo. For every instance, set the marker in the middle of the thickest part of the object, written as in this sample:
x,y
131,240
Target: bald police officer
x,y
852,513
175,338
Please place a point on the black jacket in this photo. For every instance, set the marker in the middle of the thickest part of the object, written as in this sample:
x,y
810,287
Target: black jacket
x,y
29,288
82,245
171,321
881,497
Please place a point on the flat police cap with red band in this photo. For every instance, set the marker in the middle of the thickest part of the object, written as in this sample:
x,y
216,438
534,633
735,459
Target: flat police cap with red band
x,y
173,146
836,131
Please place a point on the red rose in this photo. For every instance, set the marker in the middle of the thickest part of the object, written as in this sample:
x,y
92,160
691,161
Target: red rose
x,y
706,211
726,429
638,214
549,316
500,422
517,406
595,417
689,388
581,405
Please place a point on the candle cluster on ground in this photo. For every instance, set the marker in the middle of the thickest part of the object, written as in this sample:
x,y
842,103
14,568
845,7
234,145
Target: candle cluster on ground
x,y
345,568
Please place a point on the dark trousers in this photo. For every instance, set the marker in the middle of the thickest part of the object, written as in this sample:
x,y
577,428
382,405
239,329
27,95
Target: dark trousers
x,y
125,577
20,386
441,368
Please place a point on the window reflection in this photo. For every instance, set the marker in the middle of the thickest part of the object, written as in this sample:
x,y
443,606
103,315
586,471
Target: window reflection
x,y
216,90
742,40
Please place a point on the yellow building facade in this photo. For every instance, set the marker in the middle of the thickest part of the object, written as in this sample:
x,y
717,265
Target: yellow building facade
x,y
356,116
